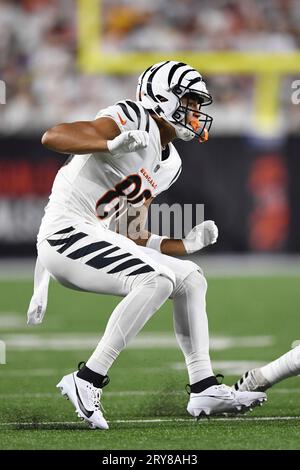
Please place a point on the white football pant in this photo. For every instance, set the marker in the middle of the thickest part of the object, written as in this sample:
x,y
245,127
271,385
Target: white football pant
x,y
94,259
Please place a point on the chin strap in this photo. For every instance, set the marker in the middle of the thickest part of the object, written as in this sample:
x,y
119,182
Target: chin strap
x,y
183,133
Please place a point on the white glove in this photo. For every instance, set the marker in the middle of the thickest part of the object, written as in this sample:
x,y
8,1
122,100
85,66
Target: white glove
x,y
200,236
127,142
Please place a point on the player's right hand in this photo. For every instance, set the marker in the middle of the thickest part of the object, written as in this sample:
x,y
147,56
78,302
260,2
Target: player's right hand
x,y
200,236
127,142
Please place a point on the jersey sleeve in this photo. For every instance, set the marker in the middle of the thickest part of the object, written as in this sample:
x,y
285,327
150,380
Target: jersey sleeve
x,y
128,115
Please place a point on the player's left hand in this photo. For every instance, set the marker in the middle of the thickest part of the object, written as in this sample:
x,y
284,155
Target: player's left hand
x,y
200,236
130,141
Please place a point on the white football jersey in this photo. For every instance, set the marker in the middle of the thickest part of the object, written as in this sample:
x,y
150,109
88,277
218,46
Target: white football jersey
x,y
92,188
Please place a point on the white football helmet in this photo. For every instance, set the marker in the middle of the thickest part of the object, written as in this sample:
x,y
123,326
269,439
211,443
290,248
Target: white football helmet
x,y
161,87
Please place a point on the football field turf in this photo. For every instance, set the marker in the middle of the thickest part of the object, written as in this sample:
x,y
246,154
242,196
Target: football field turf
x,y
252,320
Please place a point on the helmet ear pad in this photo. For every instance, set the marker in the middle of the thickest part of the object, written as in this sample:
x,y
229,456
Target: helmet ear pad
x,y
179,114
164,105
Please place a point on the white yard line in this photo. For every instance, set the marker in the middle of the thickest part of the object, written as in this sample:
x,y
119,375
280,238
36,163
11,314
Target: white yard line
x,y
76,341
157,420
11,321
60,372
126,393
234,418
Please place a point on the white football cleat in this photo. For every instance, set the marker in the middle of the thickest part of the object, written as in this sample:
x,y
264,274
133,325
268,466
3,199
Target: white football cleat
x,y
86,399
252,381
220,399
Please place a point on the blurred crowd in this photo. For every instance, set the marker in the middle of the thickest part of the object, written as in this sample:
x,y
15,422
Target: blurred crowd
x,y
38,54
201,25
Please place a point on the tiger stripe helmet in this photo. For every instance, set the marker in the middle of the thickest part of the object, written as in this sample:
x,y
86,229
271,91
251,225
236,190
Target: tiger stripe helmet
x,y
161,88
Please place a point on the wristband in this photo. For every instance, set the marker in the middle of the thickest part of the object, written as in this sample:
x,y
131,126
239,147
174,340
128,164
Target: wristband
x,y
154,242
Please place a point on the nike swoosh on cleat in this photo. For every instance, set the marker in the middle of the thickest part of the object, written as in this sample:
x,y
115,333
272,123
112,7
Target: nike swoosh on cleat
x,y
216,398
122,121
87,413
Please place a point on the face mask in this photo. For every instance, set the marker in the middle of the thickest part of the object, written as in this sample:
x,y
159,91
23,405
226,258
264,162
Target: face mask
x,y
183,133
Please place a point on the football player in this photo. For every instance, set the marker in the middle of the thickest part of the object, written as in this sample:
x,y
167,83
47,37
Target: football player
x,y
262,378
126,153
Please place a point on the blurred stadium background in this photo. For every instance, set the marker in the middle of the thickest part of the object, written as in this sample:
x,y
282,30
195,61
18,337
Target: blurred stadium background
x,y
63,60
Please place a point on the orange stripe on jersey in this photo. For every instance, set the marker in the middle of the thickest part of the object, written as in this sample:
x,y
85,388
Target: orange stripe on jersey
x,y
122,121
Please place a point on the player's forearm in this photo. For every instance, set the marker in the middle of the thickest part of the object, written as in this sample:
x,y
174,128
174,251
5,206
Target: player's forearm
x,y
74,138
135,231
168,246
172,247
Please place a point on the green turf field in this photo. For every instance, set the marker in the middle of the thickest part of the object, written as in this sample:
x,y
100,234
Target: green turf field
x,y
251,320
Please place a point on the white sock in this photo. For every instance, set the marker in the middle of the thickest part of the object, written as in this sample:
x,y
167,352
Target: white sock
x,y
191,326
285,366
127,319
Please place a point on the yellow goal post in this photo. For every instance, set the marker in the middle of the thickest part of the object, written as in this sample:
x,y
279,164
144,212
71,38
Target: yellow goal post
x,y
268,68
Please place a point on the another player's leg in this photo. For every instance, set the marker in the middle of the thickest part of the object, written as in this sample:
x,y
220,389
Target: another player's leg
x,y
88,264
260,379
191,330
207,396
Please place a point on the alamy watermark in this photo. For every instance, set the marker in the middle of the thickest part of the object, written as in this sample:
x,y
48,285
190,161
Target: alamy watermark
x,y
2,92
173,221
2,352
295,97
